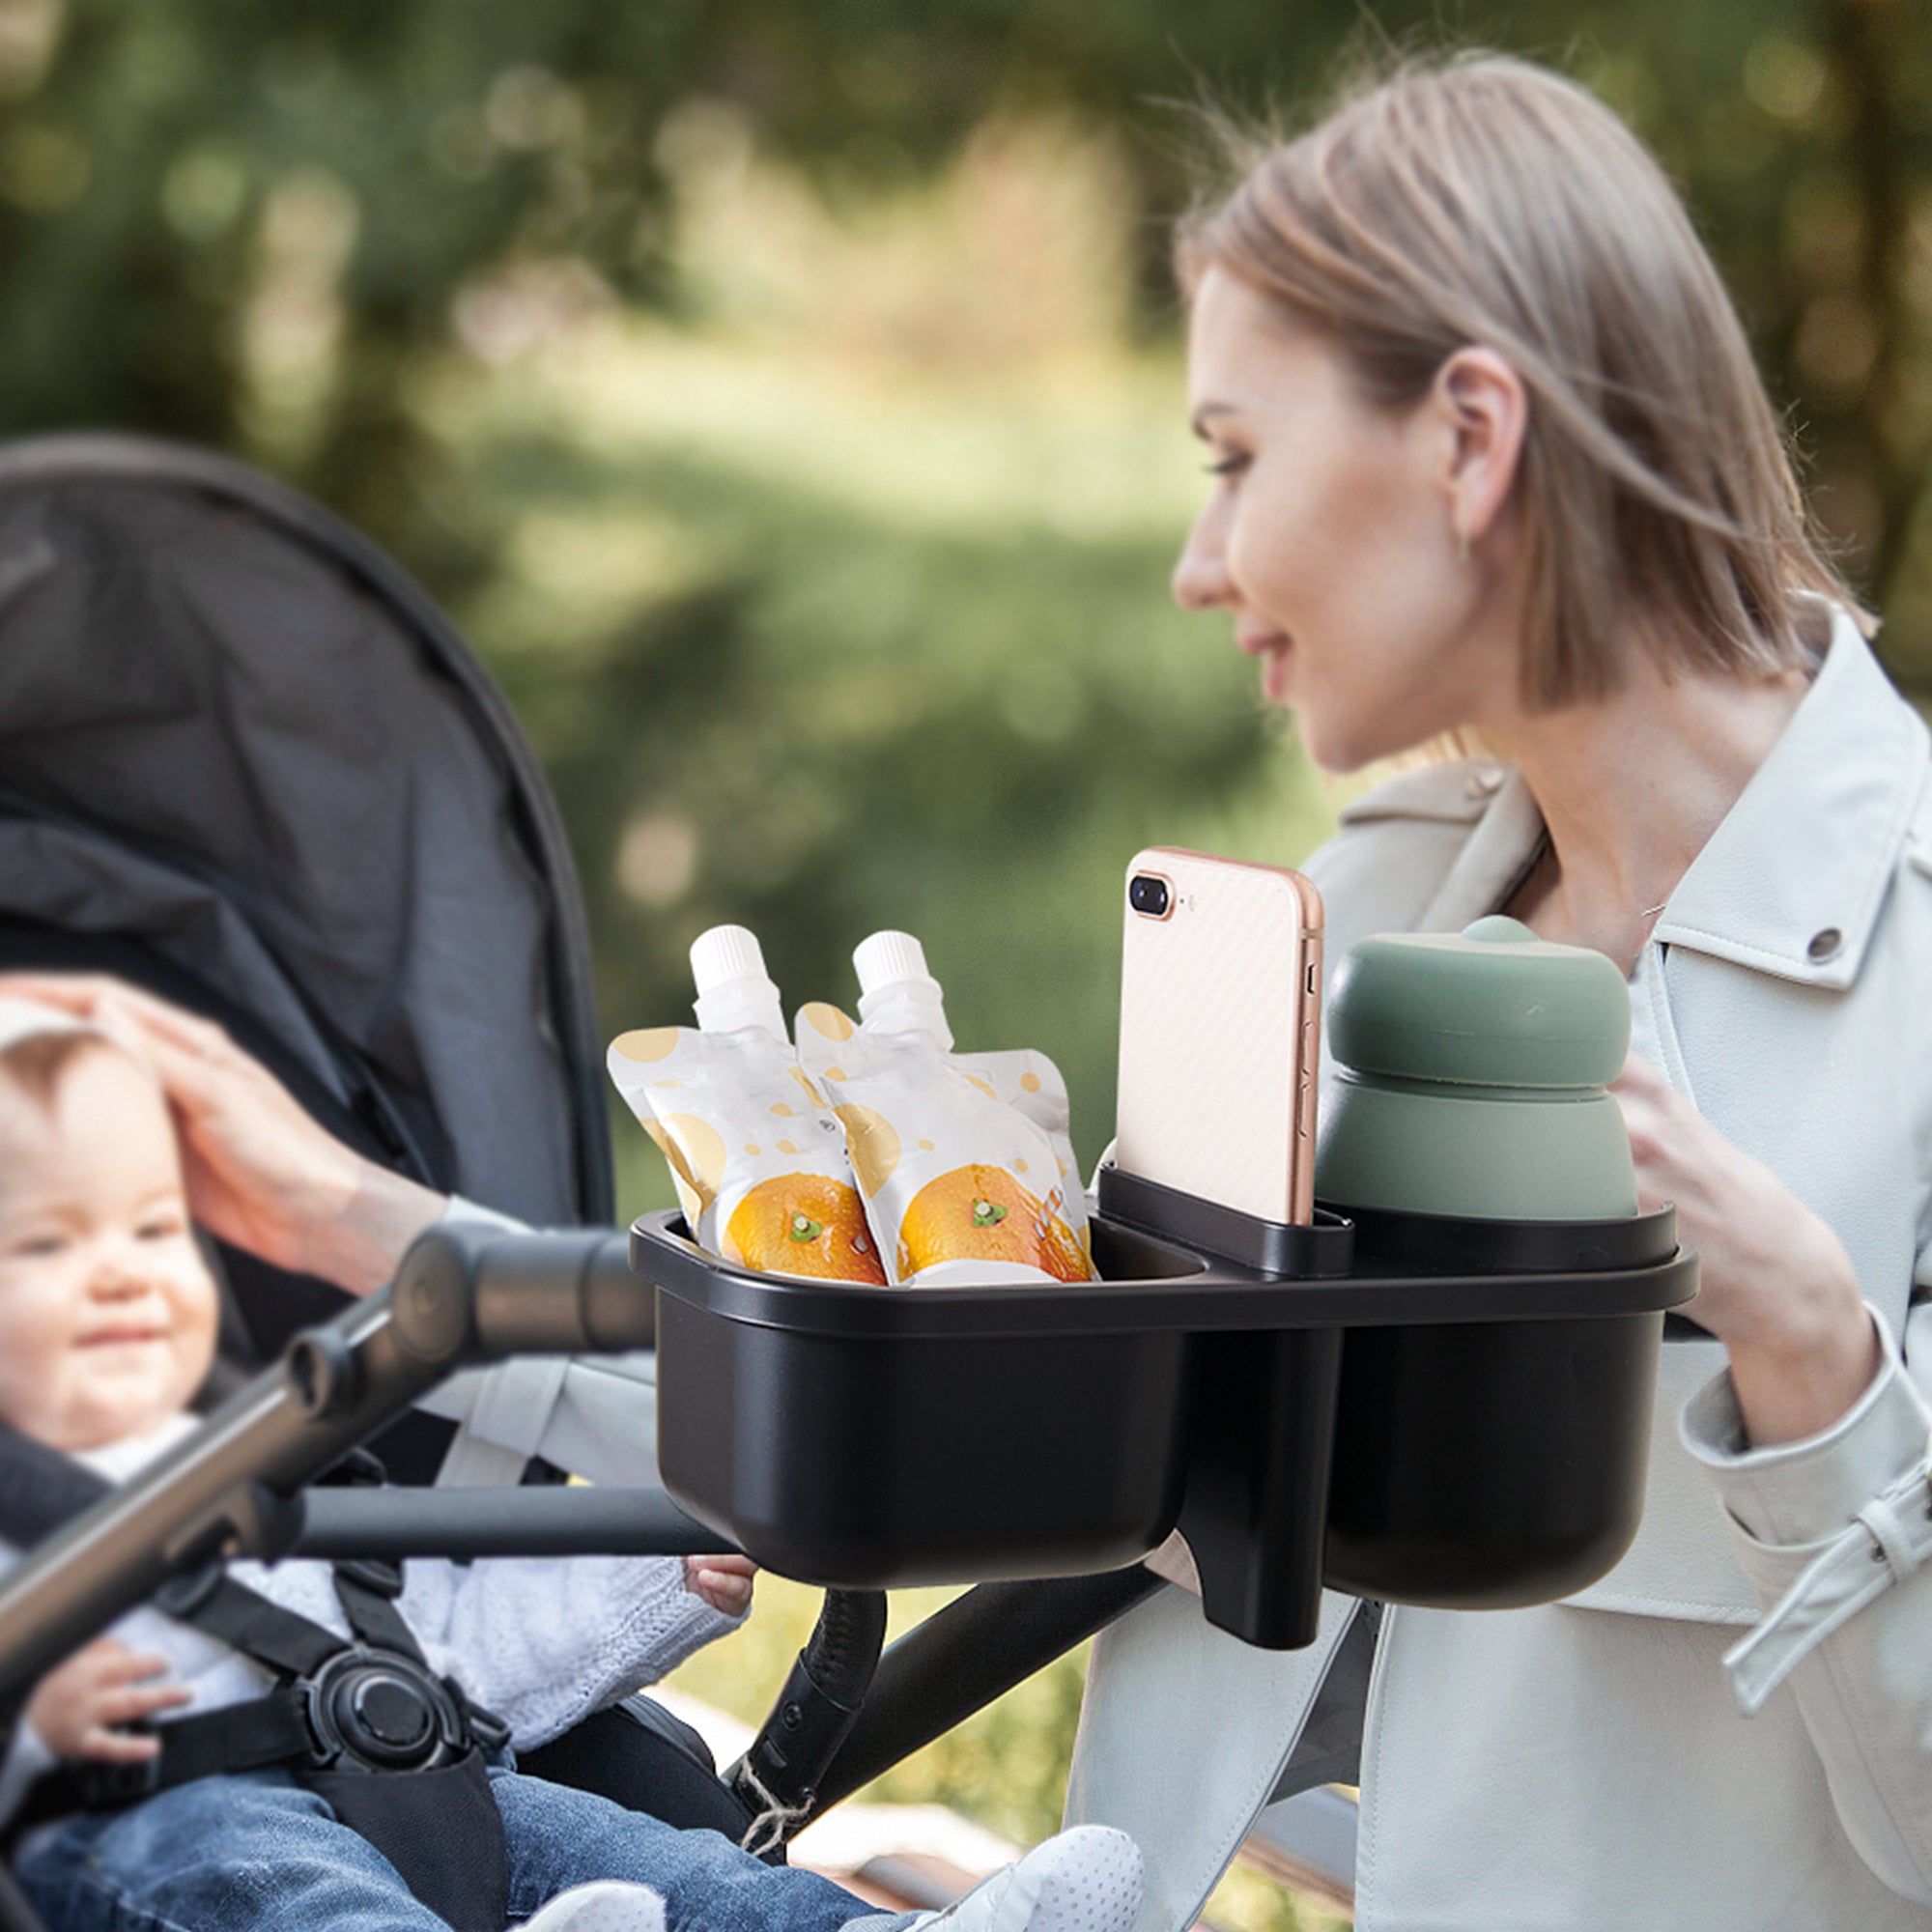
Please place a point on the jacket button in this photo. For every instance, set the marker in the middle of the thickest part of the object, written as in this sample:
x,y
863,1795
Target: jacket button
x,y
1825,945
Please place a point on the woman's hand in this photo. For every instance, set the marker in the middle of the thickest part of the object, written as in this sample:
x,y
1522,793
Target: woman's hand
x,y
1775,1283
76,1708
724,1583
261,1174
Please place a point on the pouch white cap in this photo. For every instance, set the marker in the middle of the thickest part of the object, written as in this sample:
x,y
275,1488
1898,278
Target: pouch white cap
x,y
896,994
734,991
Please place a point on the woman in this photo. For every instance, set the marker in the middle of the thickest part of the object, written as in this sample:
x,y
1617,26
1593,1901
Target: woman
x,y
1491,459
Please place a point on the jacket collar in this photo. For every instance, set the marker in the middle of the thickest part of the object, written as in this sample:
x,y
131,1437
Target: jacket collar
x,y
1793,880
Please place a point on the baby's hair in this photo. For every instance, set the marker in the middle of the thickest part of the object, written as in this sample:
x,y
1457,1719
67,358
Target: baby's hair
x,y
34,1066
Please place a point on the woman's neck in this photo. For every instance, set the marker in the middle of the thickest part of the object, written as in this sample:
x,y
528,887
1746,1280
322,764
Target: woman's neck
x,y
1631,788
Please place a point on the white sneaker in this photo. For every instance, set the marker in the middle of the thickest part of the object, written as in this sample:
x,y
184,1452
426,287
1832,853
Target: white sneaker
x,y
609,1905
1086,1880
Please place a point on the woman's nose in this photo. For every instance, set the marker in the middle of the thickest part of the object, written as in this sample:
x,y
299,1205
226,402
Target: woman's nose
x,y
1200,580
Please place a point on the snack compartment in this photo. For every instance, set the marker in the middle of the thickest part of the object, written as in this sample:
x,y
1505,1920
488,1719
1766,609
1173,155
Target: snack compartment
x,y
863,1436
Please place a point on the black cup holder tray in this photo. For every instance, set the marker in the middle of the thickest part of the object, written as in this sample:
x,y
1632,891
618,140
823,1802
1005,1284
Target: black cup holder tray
x,y
1398,1406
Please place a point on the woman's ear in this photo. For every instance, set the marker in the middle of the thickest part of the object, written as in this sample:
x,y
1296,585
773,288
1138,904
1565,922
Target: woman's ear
x,y
1483,407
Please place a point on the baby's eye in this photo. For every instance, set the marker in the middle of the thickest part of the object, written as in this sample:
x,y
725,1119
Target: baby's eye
x,y
36,1247
160,1228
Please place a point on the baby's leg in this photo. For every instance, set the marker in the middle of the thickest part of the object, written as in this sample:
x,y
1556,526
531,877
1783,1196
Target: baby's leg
x,y
560,1838
244,1854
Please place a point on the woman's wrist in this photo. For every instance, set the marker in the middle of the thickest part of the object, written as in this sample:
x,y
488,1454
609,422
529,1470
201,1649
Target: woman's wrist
x,y
1796,1377
362,1244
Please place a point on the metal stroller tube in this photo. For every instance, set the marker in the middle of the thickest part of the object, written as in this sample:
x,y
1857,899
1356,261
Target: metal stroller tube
x,y
777,1777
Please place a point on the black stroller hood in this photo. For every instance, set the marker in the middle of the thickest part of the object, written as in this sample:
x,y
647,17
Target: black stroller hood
x,y
244,758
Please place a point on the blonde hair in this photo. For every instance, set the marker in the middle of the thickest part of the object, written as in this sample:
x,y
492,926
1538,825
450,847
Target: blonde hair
x,y
1481,200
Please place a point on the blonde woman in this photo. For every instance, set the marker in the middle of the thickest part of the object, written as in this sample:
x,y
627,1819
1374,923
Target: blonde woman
x,y
1489,457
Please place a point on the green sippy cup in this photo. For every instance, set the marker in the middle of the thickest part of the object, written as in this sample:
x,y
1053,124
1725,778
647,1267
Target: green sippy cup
x,y
1471,1082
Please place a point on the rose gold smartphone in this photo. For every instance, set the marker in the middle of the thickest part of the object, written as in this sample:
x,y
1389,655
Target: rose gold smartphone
x,y
1220,1020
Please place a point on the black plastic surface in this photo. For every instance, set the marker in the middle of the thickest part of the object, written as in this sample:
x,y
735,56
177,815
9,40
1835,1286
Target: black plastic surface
x,y
853,1435
1323,1251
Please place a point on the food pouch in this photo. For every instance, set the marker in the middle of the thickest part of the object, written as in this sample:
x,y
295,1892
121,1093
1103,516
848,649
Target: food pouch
x,y
961,1184
760,1166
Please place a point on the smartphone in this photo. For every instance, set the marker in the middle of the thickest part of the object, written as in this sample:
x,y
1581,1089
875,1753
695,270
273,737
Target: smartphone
x,y
1220,1025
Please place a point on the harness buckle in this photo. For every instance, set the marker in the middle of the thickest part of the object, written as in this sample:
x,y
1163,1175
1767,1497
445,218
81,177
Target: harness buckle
x,y
489,1730
382,1711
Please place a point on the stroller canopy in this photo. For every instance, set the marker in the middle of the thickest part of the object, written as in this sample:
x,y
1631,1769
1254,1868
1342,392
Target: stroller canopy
x,y
246,761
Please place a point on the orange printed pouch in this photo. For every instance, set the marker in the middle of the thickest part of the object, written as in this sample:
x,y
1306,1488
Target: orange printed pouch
x,y
760,1167
959,1184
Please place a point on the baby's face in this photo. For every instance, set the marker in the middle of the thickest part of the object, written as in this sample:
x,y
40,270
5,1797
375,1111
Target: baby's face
x,y
107,1312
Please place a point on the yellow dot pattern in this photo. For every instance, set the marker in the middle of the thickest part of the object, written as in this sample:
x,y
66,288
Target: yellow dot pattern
x,y
644,1046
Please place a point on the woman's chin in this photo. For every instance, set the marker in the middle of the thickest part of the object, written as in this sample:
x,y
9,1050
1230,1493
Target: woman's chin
x,y
1335,752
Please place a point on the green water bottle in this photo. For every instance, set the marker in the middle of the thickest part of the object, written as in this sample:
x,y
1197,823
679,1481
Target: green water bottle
x,y
1482,1465
1472,1074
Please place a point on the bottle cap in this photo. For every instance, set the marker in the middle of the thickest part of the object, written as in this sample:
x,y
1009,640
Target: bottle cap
x,y
725,953
1492,1006
888,957
896,994
733,988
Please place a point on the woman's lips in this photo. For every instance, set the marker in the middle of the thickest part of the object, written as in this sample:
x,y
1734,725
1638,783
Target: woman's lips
x,y
1272,648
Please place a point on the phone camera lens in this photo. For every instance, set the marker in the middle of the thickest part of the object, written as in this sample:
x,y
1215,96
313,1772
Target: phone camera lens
x,y
1149,896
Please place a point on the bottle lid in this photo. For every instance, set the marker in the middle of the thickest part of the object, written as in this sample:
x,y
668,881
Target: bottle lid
x,y
733,988
1492,1006
896,994
889,957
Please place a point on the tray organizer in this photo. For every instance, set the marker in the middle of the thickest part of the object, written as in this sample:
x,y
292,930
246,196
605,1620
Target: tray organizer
x,y
1400,1407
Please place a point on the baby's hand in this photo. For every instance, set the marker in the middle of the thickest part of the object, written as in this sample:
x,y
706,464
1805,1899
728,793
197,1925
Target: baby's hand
x,y
75,1708
724,1583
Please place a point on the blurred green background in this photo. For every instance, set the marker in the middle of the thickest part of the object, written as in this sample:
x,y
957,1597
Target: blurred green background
x,y
786,400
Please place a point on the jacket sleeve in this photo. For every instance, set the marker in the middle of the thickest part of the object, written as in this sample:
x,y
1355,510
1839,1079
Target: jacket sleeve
x,y
543,1643
1835,1534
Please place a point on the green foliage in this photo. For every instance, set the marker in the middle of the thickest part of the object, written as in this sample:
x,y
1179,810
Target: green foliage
x,y
260,227
908,661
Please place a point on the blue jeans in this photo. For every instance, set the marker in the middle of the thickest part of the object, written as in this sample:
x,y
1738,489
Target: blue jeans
x,y
255,1853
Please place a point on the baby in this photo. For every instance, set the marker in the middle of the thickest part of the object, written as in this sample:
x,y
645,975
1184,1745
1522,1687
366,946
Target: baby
x,y
107,1328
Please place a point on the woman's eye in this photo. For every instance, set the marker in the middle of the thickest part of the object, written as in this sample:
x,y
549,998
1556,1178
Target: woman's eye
x,y
1228,466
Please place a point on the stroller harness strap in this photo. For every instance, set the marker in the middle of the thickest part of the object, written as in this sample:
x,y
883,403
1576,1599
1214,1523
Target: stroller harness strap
x,y
396,1752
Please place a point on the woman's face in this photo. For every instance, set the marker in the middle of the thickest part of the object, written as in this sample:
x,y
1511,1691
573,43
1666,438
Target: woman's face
x,y
1332,539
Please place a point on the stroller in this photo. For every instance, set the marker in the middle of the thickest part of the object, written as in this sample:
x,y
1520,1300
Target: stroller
x,y
247,764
